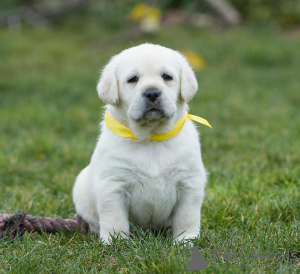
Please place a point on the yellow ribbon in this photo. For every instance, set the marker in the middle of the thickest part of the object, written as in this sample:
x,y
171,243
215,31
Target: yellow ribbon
x,y
125,132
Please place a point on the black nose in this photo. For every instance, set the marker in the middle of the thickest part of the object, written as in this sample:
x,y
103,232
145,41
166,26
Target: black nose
x,y
152,94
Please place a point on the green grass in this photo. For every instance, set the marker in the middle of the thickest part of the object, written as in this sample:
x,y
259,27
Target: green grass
x,y
249,92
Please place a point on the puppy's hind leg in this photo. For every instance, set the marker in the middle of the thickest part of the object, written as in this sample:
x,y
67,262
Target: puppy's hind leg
x,y
84,202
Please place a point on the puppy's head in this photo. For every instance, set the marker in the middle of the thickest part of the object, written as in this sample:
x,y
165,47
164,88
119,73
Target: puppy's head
x,y
147,83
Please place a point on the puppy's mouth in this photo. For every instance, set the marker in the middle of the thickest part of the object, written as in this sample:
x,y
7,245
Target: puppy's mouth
x,y
151,115
145,112
154,113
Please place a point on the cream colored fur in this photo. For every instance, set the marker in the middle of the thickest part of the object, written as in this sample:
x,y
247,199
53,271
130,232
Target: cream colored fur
x,y
148,183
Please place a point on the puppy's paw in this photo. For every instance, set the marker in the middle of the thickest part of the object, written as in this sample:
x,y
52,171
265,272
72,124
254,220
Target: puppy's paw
x,y
185,239
108,238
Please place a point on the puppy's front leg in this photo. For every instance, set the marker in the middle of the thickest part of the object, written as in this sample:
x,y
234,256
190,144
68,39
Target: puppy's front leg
x,y
113,206
186,220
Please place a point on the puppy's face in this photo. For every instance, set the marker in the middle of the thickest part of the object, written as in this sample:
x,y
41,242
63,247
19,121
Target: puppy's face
x,y
147,82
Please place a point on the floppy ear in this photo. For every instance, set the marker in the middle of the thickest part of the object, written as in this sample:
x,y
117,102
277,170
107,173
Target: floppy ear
x,y
107,87
189,85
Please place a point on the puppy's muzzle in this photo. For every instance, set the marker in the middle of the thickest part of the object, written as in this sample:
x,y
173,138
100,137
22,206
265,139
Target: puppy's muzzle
x,y
153,105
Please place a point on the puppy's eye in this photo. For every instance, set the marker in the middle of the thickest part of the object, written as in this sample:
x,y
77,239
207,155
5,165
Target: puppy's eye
x,y
133,79
167,77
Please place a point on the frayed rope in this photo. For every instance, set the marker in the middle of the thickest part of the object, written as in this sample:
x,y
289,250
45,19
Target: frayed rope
x,y
17,224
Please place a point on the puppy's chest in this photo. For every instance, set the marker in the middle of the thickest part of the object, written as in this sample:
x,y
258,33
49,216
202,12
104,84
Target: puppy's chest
x,y
153,185
152,198
150,174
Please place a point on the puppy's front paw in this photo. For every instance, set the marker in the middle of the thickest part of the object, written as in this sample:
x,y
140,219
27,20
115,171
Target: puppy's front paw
x,y
108,238
185,239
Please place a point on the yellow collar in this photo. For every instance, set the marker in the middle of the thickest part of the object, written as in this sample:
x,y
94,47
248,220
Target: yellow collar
x,y
123,131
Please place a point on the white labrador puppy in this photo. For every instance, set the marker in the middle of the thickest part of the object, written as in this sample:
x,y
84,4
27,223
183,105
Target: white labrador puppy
x,y
149,183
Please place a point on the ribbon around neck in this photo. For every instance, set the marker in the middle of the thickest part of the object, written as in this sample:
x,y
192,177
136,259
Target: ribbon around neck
x,y
125,132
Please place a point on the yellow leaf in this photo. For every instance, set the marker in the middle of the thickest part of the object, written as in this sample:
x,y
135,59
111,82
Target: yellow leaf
x,y
151,23
154,15
195,60
139,11
142,11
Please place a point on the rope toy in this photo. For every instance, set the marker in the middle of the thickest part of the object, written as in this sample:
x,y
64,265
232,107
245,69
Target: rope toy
x,y
14,225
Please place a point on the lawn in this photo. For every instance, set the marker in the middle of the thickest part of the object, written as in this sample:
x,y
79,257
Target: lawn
x,y
250,93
